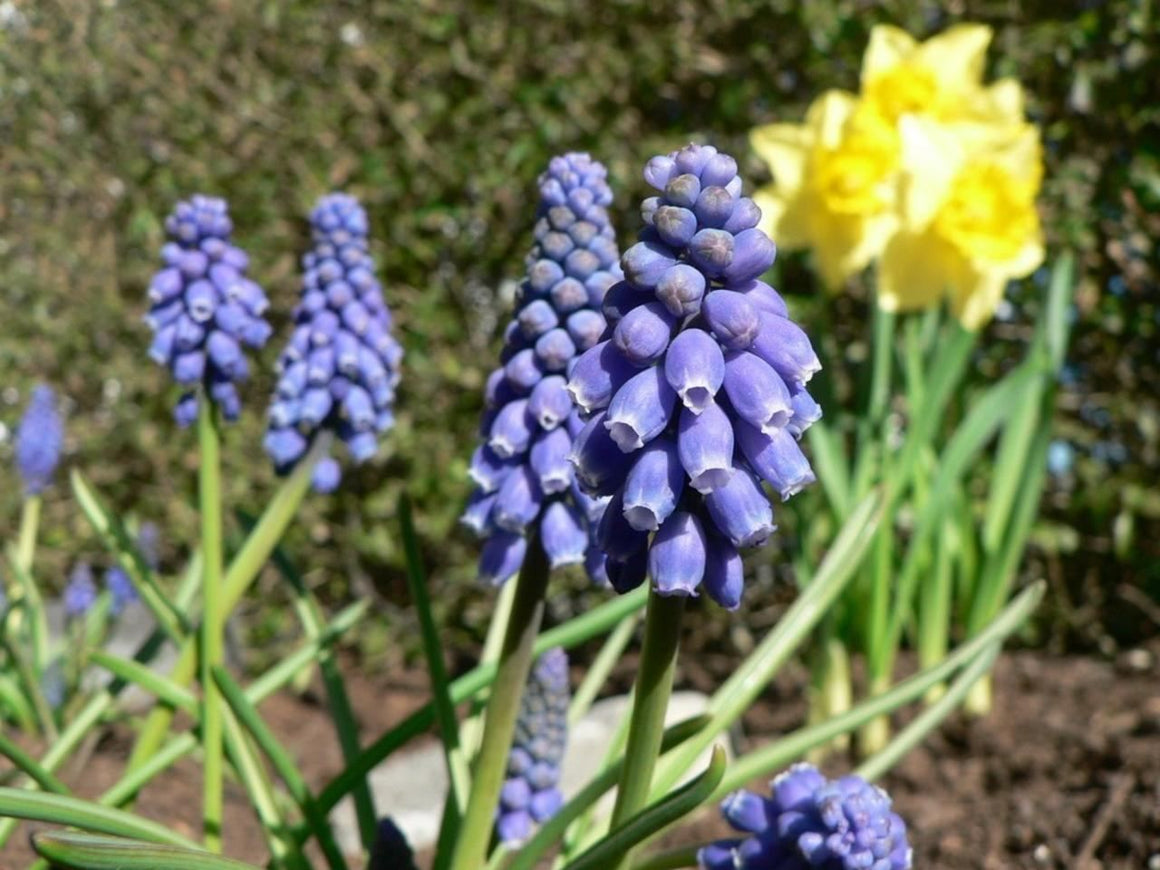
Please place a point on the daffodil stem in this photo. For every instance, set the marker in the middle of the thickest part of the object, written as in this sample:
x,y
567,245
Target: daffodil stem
x,y
212,621
29,525
515,662
654,687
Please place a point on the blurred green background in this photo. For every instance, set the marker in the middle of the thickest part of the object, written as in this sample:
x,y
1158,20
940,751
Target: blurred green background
x,y
439,114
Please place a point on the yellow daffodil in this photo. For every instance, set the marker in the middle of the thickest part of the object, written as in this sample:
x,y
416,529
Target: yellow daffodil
x,y
940,79
968,219
833,184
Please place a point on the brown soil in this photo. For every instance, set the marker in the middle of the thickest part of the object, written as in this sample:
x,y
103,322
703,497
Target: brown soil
x,y
1064,774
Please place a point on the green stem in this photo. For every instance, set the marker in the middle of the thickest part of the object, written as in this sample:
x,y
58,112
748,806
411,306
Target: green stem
x,y
654,686
934,608
29,524
515,662
241,573
212,622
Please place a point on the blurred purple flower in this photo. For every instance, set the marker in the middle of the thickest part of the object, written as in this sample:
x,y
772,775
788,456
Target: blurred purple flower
x,y
204,308
531,793
340,368
39,440
80,593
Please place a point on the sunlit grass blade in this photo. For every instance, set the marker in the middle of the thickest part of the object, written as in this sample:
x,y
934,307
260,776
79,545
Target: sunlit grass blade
x,y
829,461
341,713
95,852
914,733
621,840
283,763
76,813
570,634
138,674
773,757
242,570
25,762
14,704
117,540
553,829
597,673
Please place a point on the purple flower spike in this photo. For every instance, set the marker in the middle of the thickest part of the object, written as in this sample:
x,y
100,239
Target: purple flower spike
x,y
531,795
556,355
39,440
347,385
696,392
80,593
122,592
809,821
204,308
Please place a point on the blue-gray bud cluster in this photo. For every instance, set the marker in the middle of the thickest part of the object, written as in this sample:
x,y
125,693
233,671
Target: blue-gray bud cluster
x,y
341,367
531,793
696,395
521,470
204,308
39,441
811,823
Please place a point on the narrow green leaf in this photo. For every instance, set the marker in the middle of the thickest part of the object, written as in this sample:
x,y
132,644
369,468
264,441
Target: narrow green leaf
x,y
620,841
43,778
76,813
96,852
116,539
829,461
1059,297
445,718
138,674
597,673
929,719
283,763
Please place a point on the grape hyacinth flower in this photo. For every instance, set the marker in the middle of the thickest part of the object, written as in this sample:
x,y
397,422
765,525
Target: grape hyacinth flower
x,y
149,544
531,794
80,593
521,470
39,439
340,369
696,396
811,823
204,308
122,592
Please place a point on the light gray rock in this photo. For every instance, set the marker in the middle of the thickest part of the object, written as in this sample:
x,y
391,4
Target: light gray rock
x,y
410,787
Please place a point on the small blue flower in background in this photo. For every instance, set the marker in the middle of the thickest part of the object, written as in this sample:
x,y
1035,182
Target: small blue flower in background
x,y
521,470
80,593
1060,458
391,850
149,544
52,684
696,397
39,440
531,793
204,308
122,592
341,367
811,823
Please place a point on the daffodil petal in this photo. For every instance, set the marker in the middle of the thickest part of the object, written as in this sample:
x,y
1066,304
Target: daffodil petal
x,y
976,295
914,271
957,55
931,158
785,148
828,115
888,47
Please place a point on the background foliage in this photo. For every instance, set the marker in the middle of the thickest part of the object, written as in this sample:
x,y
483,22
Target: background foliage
x,y
439,114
